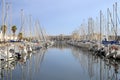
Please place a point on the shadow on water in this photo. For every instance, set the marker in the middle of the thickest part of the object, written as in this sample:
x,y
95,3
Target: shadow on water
x,y
97,68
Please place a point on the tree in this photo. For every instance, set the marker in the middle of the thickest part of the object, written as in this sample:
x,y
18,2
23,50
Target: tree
x,y
4,29
20,36
14,28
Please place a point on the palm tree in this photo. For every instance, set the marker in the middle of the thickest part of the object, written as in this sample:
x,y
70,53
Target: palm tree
x,y
14,28
4,29
20,36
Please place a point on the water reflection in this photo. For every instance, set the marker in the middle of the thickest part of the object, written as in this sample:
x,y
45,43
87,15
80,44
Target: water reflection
x,y
60,62
23,69
32,66
60,45
6,69
97,68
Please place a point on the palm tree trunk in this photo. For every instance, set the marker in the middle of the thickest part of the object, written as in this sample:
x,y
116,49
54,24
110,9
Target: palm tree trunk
x,y
13,36
4,37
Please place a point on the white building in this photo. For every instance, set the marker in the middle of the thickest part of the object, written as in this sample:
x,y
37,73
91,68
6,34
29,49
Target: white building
x,y
7,37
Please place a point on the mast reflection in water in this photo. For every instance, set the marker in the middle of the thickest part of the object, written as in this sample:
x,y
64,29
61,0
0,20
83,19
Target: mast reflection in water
x,y
60,62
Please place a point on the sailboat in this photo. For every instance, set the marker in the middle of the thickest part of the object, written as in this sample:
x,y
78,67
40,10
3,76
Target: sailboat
x,y
114,50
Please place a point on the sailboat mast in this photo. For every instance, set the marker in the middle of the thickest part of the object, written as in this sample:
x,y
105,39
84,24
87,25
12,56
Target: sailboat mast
x,y
100,42
41,31
88,31
30,28
100,25
3,11
108,24
7,17
10,19
37,35
116,18
21,29
38,31
45,34
3,15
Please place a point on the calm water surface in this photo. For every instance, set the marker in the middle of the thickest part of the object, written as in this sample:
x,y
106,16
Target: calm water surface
x,y
61,62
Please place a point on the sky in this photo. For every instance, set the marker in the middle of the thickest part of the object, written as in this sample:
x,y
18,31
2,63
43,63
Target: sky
x,y
59,16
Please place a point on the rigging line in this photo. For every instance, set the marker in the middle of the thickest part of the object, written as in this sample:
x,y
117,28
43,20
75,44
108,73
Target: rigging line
x,y
118,17
22,21
112,22
111,18
6,13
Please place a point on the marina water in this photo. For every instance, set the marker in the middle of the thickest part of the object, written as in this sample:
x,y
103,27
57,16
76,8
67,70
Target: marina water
x,y
61,62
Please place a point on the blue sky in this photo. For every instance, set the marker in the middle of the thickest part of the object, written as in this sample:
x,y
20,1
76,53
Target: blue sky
x,y
59,16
